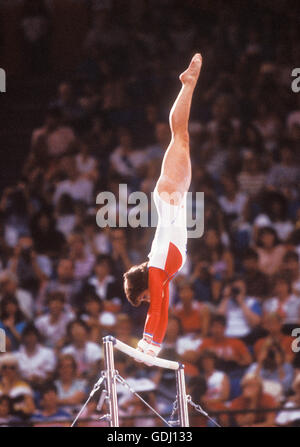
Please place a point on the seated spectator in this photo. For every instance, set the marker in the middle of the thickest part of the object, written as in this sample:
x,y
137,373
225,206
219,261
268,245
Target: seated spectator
x,y
196,388
193,316
9,286
64,283
275,212
286,173
13,386
31,268
291,266
251,179
76,186
253,398
65,216
12,320
268,123
82,259
50,408
243,312
86,353
47,240
272,323
270,251
67,103
291,418
56,138
121,254
256,281
53,325
86,164
70,390
95,237
96,317
231,352
36,362
284,302
123,330
105,285
7,418
217,382
233,201
125,160
272,368
215,258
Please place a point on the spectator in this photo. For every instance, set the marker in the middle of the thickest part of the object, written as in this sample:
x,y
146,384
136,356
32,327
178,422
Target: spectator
x,y
232,201
253,398
231,352
251,179
217,382
47,240
56,138
272,323
105,285
284,302
36,362
292,267
87,354
9,286
257,283
50,409
53,325
76,186
124,330
96,317
30,268
7,418
291,418
12,320
125,160
13,386
193,316
64,283
270,251
243,313
272,368
82,259
71,391
286,173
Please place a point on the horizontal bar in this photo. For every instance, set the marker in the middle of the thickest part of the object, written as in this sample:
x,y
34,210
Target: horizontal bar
x,y
134,353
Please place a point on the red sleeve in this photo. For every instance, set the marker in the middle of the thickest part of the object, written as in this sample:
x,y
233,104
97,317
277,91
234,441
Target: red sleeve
x,y
161,328
157,315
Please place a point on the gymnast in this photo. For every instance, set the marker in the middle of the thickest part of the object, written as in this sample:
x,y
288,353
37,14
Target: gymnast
x,y
149,281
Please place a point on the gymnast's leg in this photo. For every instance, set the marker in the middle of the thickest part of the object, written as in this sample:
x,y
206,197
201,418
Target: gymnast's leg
x,y
175,174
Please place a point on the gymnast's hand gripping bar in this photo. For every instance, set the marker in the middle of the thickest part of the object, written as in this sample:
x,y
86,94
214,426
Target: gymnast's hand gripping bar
x,y
134,353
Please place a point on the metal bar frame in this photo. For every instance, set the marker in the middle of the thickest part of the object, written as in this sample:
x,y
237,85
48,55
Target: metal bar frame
x,y
109,343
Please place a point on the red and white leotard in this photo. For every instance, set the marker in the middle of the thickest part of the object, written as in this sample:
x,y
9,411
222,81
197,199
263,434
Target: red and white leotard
x,y
166,258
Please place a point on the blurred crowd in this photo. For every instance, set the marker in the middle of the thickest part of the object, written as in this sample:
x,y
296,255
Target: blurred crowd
x,y
234,305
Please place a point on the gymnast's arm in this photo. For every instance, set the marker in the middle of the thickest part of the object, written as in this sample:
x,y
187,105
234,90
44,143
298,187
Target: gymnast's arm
x,y
153,324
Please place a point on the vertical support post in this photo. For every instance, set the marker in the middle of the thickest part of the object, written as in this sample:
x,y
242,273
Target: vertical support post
x,y
111,381
181,398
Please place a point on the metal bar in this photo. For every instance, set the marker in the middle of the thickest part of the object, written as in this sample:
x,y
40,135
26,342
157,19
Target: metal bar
x,y
155,361
181,398
111,381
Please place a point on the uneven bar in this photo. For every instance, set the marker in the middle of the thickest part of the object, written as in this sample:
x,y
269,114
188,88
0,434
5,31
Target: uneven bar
x,y
155,361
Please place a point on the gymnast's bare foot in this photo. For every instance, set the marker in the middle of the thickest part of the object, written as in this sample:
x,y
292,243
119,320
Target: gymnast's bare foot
x,y
191,74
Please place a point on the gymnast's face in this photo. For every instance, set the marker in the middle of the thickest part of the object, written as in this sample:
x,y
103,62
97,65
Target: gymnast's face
x,y
144,296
